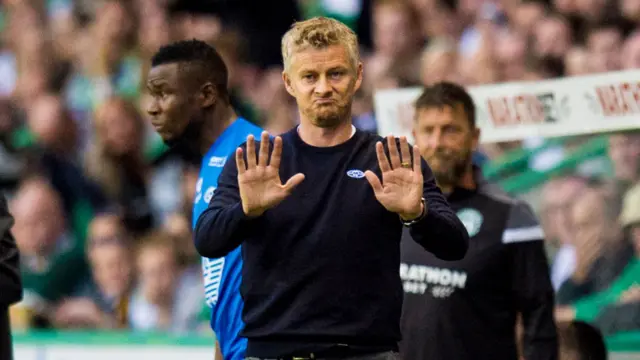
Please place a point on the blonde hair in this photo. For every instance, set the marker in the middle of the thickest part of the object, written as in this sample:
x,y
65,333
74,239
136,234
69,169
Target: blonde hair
x,y
319,32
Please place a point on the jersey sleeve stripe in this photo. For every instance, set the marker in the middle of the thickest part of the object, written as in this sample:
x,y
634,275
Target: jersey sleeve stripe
x,y
212,272
522,234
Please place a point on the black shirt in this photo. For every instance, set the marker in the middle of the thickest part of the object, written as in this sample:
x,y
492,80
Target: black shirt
x,y
467,309
321,268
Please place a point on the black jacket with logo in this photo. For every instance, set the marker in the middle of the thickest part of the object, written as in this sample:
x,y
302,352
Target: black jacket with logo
x,y
467,309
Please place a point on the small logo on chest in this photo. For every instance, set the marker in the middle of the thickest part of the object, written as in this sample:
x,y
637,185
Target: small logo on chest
x,y
471,219
217,161
355,173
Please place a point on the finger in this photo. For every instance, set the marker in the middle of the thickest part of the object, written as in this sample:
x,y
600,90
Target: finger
x,y
383,162
293,181
417,160
373,180
405,150
242,167
394,156
276,154
263,155
251,152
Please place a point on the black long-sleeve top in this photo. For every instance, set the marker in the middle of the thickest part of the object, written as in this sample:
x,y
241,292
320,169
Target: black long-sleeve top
x,y
321,268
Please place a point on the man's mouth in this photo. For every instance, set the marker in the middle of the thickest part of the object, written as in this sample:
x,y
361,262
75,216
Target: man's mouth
x,y
441,159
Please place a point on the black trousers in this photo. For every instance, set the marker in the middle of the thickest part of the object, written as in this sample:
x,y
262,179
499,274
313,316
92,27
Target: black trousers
x,y
388,355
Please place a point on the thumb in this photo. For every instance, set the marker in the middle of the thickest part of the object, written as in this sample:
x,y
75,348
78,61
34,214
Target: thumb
x,y
373,181
293,181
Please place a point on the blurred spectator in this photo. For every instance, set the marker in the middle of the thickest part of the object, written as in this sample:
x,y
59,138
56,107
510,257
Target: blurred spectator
x,y
263,33
630,58
558,197
195,21
552,36
438,62
526,16
101,302
53,128
604,43
165,297
179,227
52,258
624,314
576,62
624,151
630,10
594,10
115,161
106,65
510,54
624,290
396,43
601,250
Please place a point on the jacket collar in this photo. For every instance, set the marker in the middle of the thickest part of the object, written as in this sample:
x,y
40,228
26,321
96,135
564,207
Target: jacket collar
x,y
459,193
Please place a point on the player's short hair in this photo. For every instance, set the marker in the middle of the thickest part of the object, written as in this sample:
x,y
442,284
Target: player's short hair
x,y
319,32
443,94
196,55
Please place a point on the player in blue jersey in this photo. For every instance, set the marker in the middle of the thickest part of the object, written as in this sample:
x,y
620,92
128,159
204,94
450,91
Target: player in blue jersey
x,y
190,110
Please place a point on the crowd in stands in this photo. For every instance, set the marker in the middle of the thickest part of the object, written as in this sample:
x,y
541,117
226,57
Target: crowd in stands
x,y
102,208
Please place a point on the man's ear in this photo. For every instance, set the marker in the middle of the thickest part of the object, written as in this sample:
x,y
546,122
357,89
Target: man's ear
x,y
359,72
208,95
287,83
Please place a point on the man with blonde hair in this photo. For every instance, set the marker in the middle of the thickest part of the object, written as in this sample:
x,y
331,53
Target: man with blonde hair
x,y
321,251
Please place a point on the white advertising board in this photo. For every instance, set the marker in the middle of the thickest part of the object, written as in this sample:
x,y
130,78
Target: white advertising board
x,y
117,352
515,111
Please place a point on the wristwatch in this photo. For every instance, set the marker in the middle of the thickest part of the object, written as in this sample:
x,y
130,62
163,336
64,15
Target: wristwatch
x,y
424,212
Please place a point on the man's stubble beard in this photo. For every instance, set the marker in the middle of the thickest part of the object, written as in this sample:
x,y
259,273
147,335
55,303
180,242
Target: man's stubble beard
x,y
331,119
450,176
187,144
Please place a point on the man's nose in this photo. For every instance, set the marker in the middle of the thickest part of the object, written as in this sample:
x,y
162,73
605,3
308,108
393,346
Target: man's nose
x,y
323,87
152,108
435,140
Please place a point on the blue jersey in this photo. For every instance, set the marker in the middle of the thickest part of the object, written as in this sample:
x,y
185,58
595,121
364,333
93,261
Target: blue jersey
x,y
222,276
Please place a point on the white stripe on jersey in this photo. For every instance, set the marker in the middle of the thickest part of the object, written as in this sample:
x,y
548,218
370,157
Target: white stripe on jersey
x,y
212,273
523,234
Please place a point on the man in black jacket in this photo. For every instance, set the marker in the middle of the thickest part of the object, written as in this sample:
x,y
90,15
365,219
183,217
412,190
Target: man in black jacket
x,y
10,283
467,309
